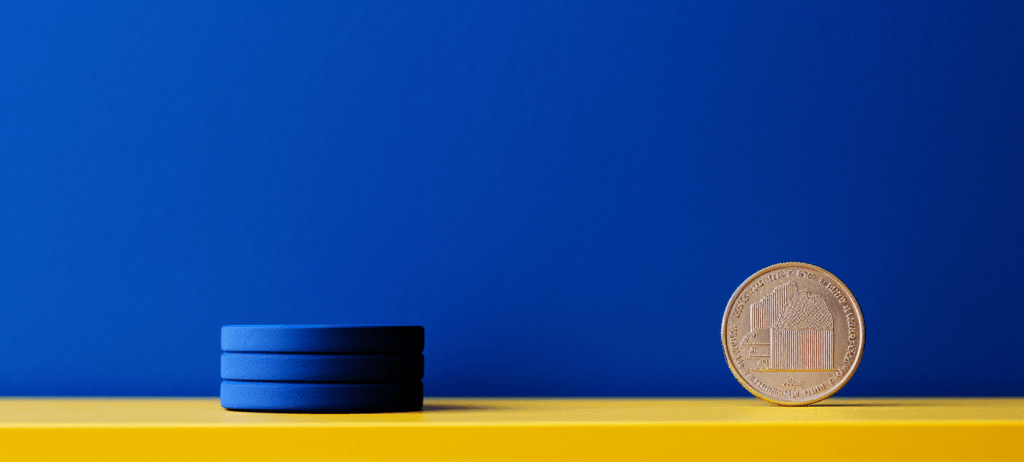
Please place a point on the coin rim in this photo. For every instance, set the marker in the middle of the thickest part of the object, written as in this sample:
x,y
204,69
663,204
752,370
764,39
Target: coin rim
x,y
725,343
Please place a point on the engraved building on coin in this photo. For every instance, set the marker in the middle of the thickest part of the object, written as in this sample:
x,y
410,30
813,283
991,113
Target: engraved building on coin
x,y
791,331
793,334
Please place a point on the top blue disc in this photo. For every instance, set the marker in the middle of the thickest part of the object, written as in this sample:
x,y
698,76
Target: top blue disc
x,y
322,339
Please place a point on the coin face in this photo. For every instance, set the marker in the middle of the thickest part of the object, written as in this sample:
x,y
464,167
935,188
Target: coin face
x,y
793,334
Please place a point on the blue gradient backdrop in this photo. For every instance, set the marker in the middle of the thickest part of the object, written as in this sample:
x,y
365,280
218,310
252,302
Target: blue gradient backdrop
x,y
564,193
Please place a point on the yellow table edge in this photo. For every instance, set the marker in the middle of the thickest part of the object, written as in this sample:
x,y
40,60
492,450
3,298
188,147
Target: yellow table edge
x,y
519,429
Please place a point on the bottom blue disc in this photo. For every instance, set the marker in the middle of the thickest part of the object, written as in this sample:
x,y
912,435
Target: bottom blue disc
x,y
321,397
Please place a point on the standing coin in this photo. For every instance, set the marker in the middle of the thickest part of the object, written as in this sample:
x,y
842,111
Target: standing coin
x,y
793,334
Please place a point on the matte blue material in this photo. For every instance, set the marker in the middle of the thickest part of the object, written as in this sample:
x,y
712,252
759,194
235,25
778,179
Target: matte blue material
x,y
321,367
322,339
321,397
564,193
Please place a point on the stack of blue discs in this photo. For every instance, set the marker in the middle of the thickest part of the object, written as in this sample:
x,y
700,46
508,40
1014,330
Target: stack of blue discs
x,y
306,368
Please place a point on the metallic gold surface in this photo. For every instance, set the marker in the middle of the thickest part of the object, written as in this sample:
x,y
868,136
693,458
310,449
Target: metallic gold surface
x,y
500,429
793,334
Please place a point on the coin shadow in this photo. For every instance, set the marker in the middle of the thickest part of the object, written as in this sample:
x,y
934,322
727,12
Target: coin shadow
x,y
862,405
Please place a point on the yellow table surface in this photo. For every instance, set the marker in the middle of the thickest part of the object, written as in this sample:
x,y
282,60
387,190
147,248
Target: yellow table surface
x,y
519,429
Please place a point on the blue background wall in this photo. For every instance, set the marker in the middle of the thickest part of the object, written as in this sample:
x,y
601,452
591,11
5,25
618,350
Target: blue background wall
x,y
565,194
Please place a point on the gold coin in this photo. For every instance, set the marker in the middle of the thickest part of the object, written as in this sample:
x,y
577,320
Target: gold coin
x,y
793,334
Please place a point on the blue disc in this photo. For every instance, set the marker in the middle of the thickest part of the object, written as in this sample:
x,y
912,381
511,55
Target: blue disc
x,y
321,367
321,397
322,339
